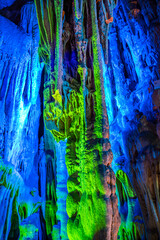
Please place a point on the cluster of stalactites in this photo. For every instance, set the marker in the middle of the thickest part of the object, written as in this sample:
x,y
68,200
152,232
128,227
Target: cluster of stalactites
x,y
75,109
51,16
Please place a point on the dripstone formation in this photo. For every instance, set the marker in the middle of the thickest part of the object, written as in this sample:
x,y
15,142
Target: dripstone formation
x,y
79,119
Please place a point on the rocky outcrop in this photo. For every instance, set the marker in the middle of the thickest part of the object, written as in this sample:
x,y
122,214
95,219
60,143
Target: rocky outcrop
x,y
79,119
132,85
145,178
76,109
17,201
4,4
20,75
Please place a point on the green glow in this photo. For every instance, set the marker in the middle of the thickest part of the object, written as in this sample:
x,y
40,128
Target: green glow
x,y
57,97
57,65
67,120
128,229
50,216
97,73
77,12
43,32
85,202
128,233
123,178
86,206
87,210
27,231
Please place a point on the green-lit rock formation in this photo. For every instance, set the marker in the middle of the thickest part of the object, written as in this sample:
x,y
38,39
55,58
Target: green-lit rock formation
x,y
79,119
75,109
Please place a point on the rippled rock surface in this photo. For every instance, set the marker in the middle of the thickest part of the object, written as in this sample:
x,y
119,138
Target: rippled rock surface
x,y
79,119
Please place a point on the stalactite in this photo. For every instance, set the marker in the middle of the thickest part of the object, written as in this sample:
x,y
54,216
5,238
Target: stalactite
x,y
145,180
129,228
79,119
19,103
66,113
15,204
133,72
61,189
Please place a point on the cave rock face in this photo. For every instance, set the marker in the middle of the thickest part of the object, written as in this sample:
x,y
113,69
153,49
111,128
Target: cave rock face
x,y
132,87
20,80
6,3
79,119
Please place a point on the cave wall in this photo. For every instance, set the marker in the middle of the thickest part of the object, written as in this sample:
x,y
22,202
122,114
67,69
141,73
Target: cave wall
x,y
67,101
132,97
20,109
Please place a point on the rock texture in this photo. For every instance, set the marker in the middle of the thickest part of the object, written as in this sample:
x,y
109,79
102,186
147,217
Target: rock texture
x,y
75,109
6,3
79,119
132,88
20,80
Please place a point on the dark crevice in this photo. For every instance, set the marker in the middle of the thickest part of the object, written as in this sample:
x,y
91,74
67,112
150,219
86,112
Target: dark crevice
x,y
13,12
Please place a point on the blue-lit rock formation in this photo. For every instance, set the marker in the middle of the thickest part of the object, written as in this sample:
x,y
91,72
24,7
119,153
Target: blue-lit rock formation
x,y
6,3
79,119
61,189
133,102
20,110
